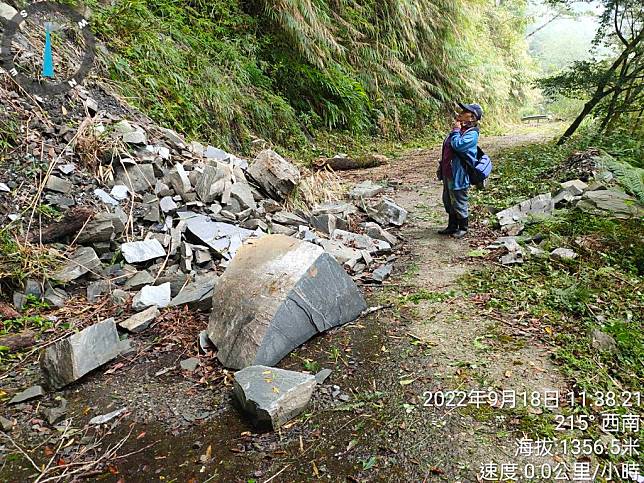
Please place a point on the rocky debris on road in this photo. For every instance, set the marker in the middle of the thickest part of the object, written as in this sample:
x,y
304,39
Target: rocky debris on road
x,y
28,394
271,396
70,359
275,295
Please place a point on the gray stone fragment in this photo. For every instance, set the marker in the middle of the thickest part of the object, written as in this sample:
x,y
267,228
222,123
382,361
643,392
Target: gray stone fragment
x,y
120,192
179,181
361,242
276,294
342,210
6,424
33,287
366,189
241,192
274,174
151,210
614,203
102,228
151,295
141,321
198,294
539,205
7,11
55,414
32,393
217,154
216,235
215,179
139,280
173,137
83,261
382,273
339,251
376,232
387,213
137,136
106,418
205,344
138,178
120,297
189,365
56,296
68,168
603,342
60,185
142,251
575,186
19,300
167,204
105,197
270,206
4,188
271,396
290,219
70,359
563,254
328,223
322,376
96,289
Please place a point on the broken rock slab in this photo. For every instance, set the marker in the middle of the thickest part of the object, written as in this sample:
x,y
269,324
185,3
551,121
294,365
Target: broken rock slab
x,y
141,321
276,294
59,185
361,242
274,174
366,189
83,261
70,359
610,202
142,251
375,231
198,294
387,213
271,396
138,178
28,394
327,223
539,205
152,295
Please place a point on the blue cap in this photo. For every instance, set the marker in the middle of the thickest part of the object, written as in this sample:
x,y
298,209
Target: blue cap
x,y
475,109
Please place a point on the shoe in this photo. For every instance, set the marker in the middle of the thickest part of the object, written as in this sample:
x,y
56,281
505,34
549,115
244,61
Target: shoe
x,y
462,229
452,226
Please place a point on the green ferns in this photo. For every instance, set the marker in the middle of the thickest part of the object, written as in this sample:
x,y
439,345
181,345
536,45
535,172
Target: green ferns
x,y
630,177
282,70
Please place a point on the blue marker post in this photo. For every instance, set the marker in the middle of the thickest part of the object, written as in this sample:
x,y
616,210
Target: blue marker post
x,y
48,58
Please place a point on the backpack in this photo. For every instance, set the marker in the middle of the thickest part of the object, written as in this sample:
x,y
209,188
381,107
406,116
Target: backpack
x,y
480,172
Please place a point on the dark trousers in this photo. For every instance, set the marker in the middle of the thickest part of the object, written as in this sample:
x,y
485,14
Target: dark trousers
x,y
455,201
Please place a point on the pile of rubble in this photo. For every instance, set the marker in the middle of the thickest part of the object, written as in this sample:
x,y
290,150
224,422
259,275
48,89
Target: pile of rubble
x,y
597,198
162,222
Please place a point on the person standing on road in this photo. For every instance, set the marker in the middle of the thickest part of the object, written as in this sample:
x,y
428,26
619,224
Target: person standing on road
x,y
459,146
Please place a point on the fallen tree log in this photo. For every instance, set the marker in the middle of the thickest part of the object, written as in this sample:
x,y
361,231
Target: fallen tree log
x,y
7,312
70,224
21,340
344,163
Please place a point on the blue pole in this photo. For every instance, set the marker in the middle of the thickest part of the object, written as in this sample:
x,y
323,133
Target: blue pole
x,y
48,60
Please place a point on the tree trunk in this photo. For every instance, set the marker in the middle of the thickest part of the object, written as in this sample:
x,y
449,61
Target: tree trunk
x,y
588,107
21,340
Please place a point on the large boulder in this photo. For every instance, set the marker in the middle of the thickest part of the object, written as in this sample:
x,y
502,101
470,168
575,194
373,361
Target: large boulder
x,y
276,294
274,174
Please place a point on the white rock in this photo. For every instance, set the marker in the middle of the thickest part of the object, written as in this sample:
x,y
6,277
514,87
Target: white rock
x,y
151,295
142,251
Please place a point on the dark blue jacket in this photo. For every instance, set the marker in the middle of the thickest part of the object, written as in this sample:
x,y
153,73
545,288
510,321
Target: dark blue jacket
x,y
464,144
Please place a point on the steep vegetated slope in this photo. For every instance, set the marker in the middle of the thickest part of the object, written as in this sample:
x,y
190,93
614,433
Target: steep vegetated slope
x,y
285,70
